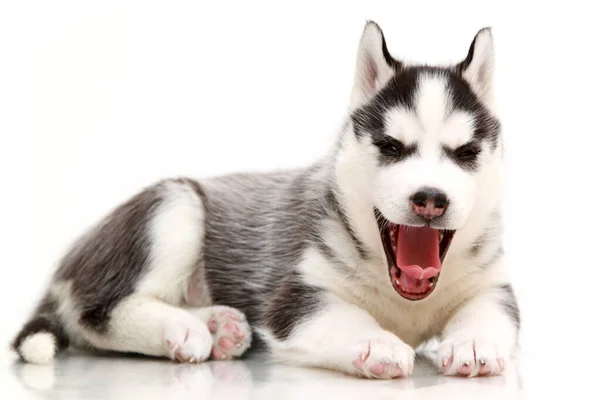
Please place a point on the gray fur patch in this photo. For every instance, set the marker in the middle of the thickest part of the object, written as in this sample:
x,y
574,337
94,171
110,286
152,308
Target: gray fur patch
x,y
478,245
328,252
510,305
257,229
294,301
107,262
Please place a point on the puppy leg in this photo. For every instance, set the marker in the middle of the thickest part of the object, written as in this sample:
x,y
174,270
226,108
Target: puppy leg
x,y
147,326
336,335
481,336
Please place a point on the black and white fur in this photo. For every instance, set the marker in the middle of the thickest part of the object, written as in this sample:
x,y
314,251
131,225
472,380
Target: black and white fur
x,y
297,255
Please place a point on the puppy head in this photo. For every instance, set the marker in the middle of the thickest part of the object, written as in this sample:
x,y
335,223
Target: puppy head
x,y
430,133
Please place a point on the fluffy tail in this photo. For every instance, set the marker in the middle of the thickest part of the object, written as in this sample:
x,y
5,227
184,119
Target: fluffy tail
x,y
41,338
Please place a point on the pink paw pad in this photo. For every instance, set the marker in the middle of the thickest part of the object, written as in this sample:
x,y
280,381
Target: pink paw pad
x,y
226,343
465,369
212,325
234,329
469,358
231,334
484,367
377,369
217,354
380,369
386,369
360,361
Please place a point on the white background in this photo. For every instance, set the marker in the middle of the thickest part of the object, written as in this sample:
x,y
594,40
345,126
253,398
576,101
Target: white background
x,y
98,99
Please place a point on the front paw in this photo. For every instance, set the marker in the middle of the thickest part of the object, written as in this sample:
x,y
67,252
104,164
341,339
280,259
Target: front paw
x,y
468,356
384,356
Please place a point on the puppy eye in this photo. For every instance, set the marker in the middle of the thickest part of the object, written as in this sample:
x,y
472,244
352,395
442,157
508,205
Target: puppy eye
x,y
464,156
391,147
467,152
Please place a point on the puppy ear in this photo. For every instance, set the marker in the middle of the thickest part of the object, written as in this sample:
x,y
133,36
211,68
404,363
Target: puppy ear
x,y
478,68
374,65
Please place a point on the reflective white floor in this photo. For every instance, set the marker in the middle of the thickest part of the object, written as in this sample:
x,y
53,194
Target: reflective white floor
x,y
81,376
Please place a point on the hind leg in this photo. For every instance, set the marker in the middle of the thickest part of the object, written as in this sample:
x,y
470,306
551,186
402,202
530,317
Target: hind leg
x,y
150,327
229,328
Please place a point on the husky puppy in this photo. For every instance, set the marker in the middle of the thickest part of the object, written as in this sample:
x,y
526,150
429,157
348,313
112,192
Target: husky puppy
x,y
391,240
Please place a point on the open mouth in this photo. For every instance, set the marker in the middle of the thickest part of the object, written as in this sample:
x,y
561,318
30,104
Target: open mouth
x,y
415,256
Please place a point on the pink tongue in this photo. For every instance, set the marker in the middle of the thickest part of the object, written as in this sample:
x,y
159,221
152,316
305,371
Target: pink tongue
x,y
417,256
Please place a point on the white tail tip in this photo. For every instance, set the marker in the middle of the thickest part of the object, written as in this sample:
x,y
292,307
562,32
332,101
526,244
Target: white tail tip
x,y
38,348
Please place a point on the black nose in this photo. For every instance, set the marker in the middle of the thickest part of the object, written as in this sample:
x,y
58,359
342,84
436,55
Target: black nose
x,y
429,202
